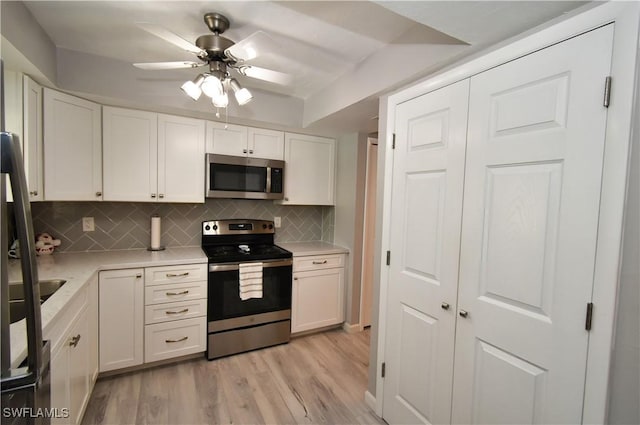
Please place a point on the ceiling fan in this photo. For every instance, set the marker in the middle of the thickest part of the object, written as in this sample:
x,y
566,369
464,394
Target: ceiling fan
x,y
222,56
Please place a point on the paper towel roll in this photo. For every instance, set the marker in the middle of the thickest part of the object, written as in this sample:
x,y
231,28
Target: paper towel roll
x,y
155,232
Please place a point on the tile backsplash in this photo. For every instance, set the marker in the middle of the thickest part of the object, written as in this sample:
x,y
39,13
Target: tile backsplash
x,y
125,225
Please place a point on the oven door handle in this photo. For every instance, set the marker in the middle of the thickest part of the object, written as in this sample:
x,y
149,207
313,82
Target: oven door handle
x,y
236,266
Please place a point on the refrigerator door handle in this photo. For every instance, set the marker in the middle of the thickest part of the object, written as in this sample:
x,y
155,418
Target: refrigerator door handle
x,y
11,163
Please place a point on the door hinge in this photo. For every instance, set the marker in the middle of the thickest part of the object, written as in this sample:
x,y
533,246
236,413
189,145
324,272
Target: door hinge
x,y
384,369
388,258
587,323
607,92
393,144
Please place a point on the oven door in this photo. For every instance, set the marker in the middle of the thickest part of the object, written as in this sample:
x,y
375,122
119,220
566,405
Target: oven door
x,y
224,292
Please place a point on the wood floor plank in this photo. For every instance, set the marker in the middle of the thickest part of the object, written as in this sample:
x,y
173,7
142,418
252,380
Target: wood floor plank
x,y
315,379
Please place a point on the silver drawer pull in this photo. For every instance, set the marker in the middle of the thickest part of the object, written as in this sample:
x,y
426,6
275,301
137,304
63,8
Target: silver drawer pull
x,y
184,338
320,262
74,340
177,275
177,293
177,312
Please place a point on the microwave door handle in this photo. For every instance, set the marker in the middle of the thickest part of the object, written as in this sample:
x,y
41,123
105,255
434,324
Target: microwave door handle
x,y
268,188
12,164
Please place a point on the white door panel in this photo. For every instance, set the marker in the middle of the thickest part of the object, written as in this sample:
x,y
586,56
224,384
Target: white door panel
x,y
531,201
425,242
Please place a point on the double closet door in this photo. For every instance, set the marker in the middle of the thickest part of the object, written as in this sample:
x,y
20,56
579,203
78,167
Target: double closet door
x,y
495,202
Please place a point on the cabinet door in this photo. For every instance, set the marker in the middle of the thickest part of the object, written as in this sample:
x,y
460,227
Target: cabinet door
x,y
32,138
59,381
121,312
72,148
226,139
78,349
180,159
265,143
309,175
130,155
428,176
92,313
529,231
317,299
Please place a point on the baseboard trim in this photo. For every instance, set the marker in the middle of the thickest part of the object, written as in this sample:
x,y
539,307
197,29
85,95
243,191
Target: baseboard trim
x,y
370,400
349,328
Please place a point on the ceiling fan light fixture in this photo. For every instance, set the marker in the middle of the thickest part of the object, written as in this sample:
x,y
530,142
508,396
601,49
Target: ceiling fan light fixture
x,y
192,88
221,100
243,95
212,86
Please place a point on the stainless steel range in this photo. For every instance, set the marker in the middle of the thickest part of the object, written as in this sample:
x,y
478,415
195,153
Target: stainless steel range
x,y
249,283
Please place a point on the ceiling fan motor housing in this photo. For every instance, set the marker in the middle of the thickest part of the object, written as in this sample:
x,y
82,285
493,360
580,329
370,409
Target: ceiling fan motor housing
x,y
214,45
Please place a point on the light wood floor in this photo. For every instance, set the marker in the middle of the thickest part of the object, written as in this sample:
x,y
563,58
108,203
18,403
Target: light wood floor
x,y
314,379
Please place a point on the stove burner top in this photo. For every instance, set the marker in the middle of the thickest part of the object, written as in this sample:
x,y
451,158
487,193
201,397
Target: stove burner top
x,y
233,253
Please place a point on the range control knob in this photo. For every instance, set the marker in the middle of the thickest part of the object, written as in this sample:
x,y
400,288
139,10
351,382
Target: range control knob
x,y
207,227
271,226
264,226
215,227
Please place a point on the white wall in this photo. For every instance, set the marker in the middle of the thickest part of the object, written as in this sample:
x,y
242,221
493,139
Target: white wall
x,y
349,217
624,396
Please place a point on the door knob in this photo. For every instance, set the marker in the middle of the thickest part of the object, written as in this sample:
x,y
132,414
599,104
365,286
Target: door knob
x,y
445,306
463,313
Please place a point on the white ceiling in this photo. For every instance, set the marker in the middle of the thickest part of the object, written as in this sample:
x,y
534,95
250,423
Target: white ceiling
x,y
323,44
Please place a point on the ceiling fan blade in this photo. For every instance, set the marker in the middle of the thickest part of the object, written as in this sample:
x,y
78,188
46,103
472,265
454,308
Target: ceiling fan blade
x,y
266,74
167,65
172,38
251,47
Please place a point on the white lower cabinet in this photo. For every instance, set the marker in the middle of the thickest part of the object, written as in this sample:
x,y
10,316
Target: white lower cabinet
x,y
121,318
318,292
152,314
73,366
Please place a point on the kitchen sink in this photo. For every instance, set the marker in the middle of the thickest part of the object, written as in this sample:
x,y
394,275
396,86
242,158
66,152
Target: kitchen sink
x,y
17,309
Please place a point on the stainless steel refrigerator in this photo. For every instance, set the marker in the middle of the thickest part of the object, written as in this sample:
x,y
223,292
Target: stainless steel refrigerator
x,y
25,388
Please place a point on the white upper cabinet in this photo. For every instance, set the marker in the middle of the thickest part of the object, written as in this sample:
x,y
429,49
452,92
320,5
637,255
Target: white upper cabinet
x,y
237,140
263,143
72,148
180,159
309,176
32,138
130,140
152,157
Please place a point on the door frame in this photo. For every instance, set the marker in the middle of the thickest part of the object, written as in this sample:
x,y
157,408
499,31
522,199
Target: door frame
x,y
624,66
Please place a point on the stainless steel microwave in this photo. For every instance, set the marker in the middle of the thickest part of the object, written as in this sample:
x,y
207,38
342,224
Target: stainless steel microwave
x,y
244,177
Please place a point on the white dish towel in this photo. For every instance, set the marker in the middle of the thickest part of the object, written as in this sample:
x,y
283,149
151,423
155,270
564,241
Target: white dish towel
x,y
250,280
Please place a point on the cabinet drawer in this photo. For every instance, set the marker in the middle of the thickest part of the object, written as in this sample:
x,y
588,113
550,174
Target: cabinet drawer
x,y
176,292
158,313
318,262
173,339
174,274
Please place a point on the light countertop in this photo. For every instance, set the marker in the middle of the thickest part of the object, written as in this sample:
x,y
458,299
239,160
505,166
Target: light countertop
x,y
78,269
301,249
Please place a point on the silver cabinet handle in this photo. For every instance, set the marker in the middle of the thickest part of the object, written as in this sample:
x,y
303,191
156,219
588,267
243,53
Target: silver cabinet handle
x,y
177,275
251,151
177,293
244,151
98,193
463,313
74,340
320,262
184,338
161,196
445,306
295,278
33,193
177,312
139,276
153,195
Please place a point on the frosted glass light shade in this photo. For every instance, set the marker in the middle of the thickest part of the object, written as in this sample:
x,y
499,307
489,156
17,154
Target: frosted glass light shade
x,y
220,101
192,90
243,96
212,87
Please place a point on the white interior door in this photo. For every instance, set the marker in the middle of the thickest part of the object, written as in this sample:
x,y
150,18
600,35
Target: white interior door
x,y
428,172
534,163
